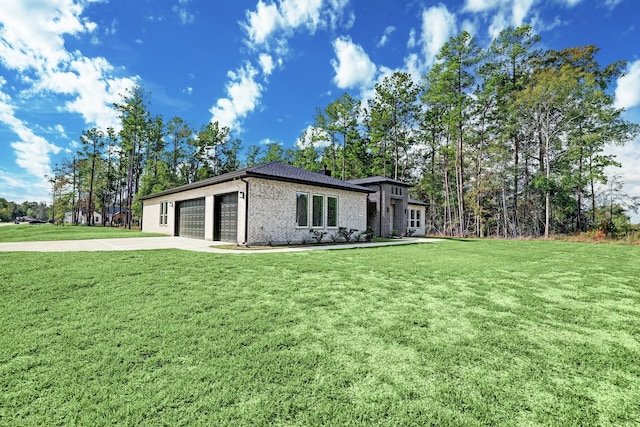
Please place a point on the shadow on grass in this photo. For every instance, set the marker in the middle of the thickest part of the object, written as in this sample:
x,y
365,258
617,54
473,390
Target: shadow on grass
x,y
455,239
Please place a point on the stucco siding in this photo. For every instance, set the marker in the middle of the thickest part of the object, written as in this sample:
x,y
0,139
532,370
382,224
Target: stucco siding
x,y
151,218
416,223
272,206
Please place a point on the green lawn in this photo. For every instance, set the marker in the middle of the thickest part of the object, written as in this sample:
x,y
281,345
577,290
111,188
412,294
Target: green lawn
x,y
43,232
452,334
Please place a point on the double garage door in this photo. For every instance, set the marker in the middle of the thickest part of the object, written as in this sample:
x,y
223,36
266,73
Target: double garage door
x,y
192,217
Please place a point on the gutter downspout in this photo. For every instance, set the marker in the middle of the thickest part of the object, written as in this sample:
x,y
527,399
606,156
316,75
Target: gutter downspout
x,y
380,216
246,211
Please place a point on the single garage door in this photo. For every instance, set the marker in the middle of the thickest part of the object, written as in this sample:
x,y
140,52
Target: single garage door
x,y
226,218
191,218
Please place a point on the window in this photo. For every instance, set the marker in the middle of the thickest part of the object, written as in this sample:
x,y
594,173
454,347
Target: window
x,y
332,211
302,210
412,217
317,209
164,212
418,218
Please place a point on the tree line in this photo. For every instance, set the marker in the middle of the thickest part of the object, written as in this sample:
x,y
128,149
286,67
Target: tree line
x,y
10,211
505,141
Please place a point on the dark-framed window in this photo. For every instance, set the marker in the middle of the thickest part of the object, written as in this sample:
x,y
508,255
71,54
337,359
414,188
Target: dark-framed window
x,y
164,213
332,211
317,210
302,209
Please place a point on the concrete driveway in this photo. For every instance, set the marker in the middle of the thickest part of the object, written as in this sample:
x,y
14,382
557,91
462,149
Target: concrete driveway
x,y
151,243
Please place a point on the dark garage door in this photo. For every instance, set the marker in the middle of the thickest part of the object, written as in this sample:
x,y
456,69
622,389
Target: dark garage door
x,y
226,218
191,218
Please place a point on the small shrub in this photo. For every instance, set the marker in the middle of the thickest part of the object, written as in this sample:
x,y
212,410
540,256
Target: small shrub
x,y
317,235
411,232
366,235
347,233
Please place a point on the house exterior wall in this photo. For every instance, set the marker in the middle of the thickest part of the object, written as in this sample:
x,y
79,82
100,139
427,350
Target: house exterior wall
x,y
151,209
272,207
416,223
272,210
389,218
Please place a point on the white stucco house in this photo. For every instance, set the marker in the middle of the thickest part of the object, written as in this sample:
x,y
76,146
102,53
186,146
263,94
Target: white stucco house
x,y
83,217
416,217
278,203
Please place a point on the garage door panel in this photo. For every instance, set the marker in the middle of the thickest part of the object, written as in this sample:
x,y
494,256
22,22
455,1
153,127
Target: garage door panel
x,y
191,218
226,224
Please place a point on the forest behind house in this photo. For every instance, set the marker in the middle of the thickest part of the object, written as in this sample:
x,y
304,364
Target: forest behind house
x,y
507,141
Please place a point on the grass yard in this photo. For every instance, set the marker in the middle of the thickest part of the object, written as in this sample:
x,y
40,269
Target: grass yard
x,y
44,232
458,333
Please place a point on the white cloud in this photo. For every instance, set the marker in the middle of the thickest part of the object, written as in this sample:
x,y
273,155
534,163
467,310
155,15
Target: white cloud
x,y
313,135
520,11
481,5
296,13
112,29
32,34
20,187
353,67
385,37
268,141
414,66
88,80
32,151
278,20
243,95
32,44
498,23
628,88
470,27
262,22
629,156
336,14
266,62
183,12
268,30
9,181
507,12
571,3
438,25
60,129
412,42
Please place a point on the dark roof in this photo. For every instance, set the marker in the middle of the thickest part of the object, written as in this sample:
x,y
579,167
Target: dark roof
x,y
378,180
416,202
273,170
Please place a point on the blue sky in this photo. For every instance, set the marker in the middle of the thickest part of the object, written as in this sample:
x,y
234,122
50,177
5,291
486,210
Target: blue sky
x,y
261,67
